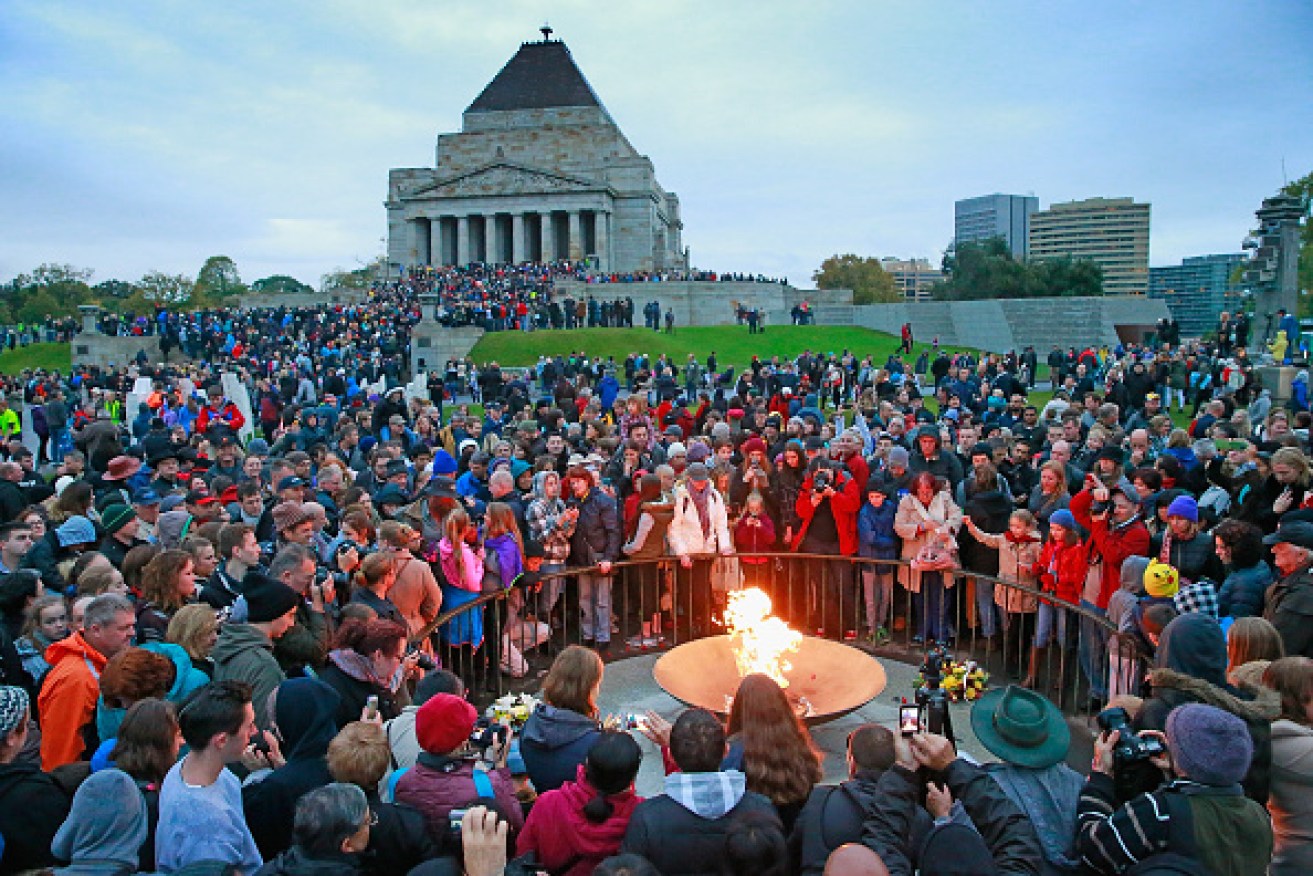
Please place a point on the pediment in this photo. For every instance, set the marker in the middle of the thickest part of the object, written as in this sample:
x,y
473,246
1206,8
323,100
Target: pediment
x,y
501,179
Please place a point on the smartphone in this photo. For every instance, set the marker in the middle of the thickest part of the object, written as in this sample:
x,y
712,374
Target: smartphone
x,y
909,720
371,707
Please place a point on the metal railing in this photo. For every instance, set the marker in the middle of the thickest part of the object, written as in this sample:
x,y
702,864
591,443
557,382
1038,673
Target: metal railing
x,y
657,604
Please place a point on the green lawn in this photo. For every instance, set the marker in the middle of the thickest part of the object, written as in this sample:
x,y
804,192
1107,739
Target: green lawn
x,y
731,344
51,357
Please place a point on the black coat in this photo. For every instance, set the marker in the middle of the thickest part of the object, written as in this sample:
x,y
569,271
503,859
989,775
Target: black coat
x,y
681,843
354,693
32,808
270,805
399,842
833,816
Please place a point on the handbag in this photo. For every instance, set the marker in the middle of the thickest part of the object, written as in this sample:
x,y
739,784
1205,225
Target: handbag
x,y
726,574
936,555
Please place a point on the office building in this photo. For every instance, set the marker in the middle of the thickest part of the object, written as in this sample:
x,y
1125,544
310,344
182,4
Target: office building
x,y
913,278
1198,289
1111,232
1005,216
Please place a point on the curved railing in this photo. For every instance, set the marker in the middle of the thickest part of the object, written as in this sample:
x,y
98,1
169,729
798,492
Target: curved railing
x,y
657,604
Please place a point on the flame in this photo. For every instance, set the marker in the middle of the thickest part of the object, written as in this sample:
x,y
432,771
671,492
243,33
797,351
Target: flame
x,y
760,642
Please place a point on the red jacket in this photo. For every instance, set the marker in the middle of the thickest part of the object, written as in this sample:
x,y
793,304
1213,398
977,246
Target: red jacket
x,y
228,413
561,835
754,539
1062,569
845,504
1111,544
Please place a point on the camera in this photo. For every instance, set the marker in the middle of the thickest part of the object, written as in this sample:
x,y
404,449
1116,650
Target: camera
x,y
486,732
931,699
1133,772
821,480
424,661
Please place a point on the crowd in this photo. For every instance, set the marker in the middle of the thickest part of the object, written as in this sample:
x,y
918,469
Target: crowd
x,y
223,649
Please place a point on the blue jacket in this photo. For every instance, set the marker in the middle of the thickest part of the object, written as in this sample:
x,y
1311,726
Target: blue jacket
x,y
554,743
607,389
875,531
1244,591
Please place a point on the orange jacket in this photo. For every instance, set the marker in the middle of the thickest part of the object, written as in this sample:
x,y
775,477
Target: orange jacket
x,y
68,699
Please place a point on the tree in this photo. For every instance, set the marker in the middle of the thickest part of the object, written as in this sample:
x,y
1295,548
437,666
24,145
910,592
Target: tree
x,y
358,280
986,269
281,284
1303,189
865,276
107,289
218,279
166,288
38,306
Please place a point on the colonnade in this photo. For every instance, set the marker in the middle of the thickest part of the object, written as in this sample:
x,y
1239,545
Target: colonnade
x,y
512,237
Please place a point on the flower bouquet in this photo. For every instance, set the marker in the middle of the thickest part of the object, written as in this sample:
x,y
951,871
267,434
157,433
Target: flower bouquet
x,y
513,709
960,680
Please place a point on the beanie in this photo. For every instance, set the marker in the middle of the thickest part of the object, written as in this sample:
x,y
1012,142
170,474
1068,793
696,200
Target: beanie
x,y
267,599
444,723
1208,745
898,456
754,444
13,706
258,447
1184,506
116,516
1064,518
699,453
1161,579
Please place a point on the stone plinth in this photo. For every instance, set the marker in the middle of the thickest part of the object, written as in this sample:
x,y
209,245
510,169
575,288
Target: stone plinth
x,y
1277,379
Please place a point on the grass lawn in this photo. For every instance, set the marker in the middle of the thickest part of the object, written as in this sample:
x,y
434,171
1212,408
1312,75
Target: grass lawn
x,y
48,356
731,344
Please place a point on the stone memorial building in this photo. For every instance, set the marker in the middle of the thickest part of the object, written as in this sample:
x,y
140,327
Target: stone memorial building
x,y
539,171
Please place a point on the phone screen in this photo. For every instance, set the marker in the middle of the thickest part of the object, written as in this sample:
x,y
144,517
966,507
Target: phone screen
x,y
371,706
909,720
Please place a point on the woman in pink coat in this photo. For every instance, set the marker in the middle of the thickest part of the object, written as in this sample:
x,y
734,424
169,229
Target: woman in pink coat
x,y
581,823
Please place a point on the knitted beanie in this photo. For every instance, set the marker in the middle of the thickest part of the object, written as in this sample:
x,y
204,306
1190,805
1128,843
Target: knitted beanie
x,y
1184,506
443,723
1208,745
1064,518
13,706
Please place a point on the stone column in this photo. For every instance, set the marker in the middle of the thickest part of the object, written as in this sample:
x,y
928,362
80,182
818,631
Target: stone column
x,y
576,247
549,251
426,247
518,252
435,240
462,240
601,227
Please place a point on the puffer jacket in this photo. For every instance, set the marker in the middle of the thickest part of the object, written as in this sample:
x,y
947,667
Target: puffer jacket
x,y
436,785
875,531
844,504
554,743
597,532
560,834
1109,544
660,514
1061,569
1195,559
1016,562
1244,590
685,533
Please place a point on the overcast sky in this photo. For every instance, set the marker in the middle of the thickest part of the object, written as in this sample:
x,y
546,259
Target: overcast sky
x,y
139,136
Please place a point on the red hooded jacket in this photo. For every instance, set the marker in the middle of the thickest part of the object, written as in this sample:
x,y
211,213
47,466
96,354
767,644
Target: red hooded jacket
x,y
1111,544
563,837
845,504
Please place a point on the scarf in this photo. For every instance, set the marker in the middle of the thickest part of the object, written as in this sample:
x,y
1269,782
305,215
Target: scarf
x,y
509,559
359,667
700,500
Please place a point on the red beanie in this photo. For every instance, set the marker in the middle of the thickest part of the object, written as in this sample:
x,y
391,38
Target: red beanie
x,y
443,723
754,443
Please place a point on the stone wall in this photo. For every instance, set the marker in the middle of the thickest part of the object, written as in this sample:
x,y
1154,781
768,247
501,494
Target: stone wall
x,y
709,303
434,344
92,349
1012,324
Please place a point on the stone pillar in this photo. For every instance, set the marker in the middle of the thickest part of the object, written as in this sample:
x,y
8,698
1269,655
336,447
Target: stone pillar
x,y
575,249
549,251
518,253
601,225
463,240
427,246
435,240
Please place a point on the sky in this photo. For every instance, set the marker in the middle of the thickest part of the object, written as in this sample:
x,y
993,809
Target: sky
x,y
139,136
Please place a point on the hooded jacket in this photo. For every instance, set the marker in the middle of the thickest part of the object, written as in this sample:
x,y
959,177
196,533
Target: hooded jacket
x,y
844,505
654,520
244,653
875,531
554,743
1191,668
105,828
305,708
1244,590
68,699
685,532
698,809
546,525
295,862
1111,544
32,807
1291,803
565,841
911,514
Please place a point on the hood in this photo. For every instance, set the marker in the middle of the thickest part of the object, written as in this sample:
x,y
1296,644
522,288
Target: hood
x,y
538,481
662,512
708,795
1265,706
236,639
305,710
76,646
106,825
16,773
1193,644
186,677
1132,573
588,837
551,727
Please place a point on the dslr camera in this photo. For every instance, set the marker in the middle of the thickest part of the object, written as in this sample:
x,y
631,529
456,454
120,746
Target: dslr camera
x,y
822,479
486,732
931,698
1133,772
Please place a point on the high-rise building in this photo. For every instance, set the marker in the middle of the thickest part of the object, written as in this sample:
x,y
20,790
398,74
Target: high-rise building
x,y
913,278
1005,216
1198,289
1111,232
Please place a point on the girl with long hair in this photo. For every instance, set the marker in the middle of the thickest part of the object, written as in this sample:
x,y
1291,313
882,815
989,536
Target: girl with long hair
x,y
45,622
462,572
146,749
558,735
772,747
503,563
168,582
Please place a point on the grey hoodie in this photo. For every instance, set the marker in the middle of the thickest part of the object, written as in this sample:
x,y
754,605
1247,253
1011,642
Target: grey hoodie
x,y
105,828
546,526
244,653
709,795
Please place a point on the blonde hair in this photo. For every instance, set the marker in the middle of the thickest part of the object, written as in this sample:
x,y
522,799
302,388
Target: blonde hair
x,y
359,755
453,530
191,628
499,519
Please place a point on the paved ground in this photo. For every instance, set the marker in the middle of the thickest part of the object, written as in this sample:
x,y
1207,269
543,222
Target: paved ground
x,y
628,686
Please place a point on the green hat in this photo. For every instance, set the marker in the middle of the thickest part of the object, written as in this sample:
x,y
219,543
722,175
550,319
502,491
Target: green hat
x,y
115,517
1021,727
